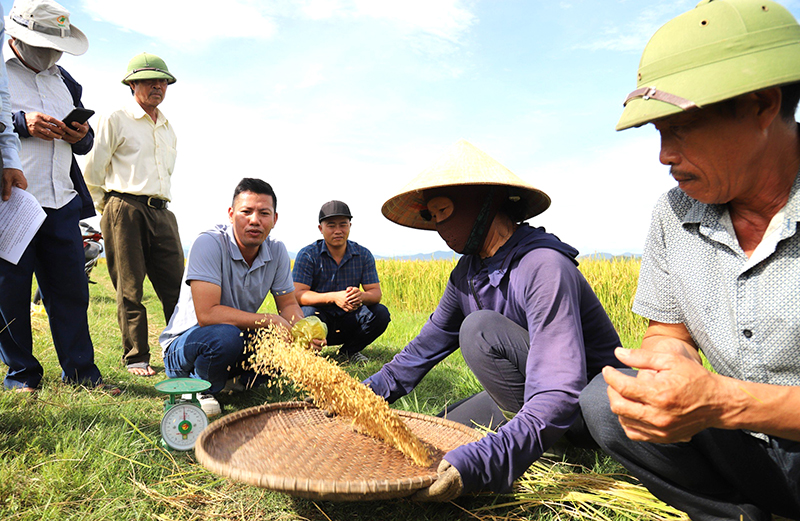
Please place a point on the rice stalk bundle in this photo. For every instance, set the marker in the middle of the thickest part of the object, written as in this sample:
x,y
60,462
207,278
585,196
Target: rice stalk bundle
x,y
334,390
582,494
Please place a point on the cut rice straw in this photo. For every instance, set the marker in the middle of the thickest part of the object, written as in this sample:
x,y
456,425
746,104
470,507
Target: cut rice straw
x,y
333,390
581,494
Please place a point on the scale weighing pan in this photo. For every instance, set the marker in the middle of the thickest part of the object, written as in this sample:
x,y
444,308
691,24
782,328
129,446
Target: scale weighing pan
x,y
293,447
183,420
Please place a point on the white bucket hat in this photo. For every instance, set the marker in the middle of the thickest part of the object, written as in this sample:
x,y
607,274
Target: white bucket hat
x,y
44,23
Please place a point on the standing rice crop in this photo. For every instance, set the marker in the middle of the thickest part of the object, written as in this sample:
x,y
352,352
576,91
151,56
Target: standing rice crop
x,y
414,285
614,282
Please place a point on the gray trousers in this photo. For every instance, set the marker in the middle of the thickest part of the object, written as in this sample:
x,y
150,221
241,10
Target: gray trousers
x,y
141,241
719,474
496,350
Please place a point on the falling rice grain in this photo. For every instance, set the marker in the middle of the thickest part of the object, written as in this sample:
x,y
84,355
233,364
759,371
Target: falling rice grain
x,y
334,390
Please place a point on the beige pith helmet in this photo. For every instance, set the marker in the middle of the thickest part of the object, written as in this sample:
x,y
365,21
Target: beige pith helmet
x,y
463,164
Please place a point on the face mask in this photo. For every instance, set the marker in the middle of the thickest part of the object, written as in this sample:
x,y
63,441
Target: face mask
x,y
40,58
474,209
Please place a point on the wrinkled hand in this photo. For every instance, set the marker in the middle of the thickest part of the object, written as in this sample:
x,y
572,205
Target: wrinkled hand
x,y
672,397
327,412
447,486
44,126
73,135
12,177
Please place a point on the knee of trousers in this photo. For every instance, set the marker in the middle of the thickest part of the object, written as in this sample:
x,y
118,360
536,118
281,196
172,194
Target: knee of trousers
x,y
380,317
309,311
225,340
472,335
600,420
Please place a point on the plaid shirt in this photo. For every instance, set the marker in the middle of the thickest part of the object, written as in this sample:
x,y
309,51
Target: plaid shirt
x,y
315,268
743,313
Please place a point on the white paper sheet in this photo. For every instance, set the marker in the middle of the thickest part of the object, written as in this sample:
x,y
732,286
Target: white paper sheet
x,y
20,219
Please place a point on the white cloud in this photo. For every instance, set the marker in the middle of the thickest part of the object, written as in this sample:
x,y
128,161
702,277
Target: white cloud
x,y
187,24
313,76
437,26
603,198
445,19
633,36
320,9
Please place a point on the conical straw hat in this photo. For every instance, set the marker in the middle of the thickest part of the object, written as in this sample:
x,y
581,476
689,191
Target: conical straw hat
x,y
462,164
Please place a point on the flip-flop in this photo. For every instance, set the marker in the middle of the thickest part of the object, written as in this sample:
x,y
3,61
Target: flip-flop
x,y
141,365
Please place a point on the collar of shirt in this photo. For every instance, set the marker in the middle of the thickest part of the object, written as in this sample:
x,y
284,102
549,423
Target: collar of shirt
x,y
262,258
715,223
349,251
137,112
10,57
701,213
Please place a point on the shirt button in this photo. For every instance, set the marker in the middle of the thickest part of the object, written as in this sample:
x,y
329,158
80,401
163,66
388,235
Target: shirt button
x,y
747,333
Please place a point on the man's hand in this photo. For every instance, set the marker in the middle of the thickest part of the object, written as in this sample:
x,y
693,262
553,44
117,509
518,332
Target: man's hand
x,y
672,398
317,344
354,297
73,135
13,177
44,126
349,299
447,487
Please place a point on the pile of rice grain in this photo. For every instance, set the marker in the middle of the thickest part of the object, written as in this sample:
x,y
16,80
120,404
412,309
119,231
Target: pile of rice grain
x,y
333,390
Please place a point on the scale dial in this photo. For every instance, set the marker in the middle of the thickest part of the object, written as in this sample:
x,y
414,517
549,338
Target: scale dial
x,y
182,425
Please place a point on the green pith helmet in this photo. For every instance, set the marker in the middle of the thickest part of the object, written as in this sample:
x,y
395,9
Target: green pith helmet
x,y
717,51
147,67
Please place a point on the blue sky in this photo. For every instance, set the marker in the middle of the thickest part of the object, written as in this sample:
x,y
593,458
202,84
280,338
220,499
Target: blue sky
x,y
350,99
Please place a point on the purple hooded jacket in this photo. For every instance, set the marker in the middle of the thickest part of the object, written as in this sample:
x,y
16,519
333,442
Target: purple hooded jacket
x,y
532,280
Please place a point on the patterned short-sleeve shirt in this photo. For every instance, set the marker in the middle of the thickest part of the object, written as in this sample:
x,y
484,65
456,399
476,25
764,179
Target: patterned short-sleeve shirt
x,y
315,267
743,313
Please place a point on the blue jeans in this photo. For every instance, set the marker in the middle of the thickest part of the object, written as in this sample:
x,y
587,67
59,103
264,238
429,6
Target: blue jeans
x,y
719,474
211,353
56,256
355,330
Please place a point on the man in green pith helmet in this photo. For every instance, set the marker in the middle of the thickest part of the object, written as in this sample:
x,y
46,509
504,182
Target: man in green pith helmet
x,y
129,174
720,272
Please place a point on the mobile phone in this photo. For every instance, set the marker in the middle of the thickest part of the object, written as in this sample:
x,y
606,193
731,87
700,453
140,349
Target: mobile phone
x,y
79,115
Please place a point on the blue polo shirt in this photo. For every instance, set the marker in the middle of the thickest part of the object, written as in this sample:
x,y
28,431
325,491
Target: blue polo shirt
x,y
215,257
314,266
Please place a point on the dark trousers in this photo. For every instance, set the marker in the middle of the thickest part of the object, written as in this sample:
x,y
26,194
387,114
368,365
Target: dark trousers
x,y
141,241
496,350
355,330
719,474
56,256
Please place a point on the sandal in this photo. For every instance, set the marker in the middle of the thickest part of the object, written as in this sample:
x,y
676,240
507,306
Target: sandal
x,y
141,369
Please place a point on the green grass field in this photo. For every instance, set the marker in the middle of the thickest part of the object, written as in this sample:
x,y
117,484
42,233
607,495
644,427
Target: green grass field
x,y
73,454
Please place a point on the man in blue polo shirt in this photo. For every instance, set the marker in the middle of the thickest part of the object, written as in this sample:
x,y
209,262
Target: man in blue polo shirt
x,y
230,271
328,279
